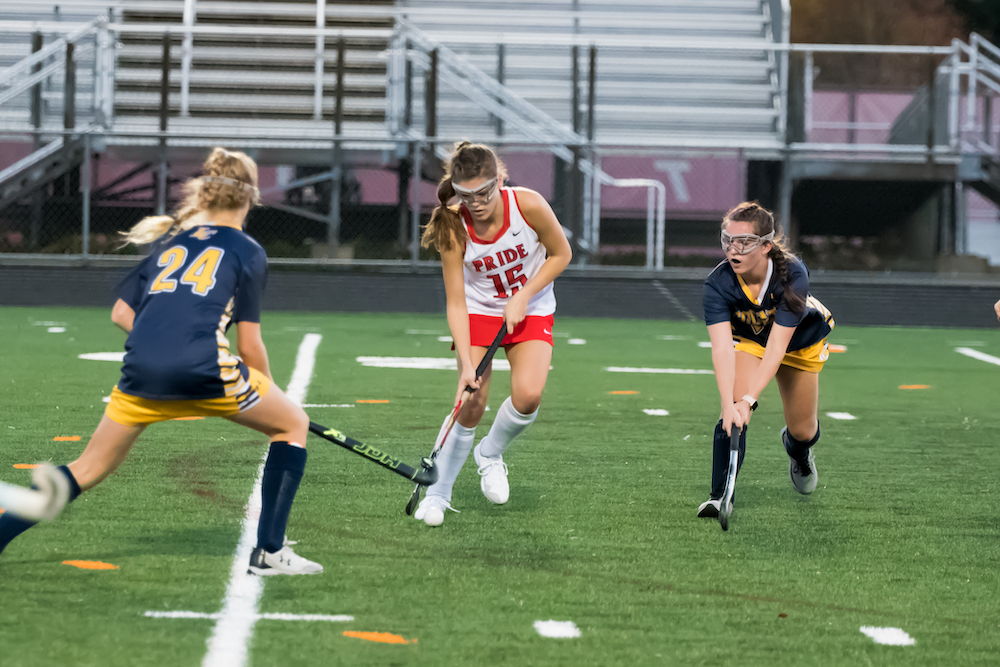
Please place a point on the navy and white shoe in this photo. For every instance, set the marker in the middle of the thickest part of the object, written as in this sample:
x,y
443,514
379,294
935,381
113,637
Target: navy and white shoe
x,y
802,471
709,509
265,564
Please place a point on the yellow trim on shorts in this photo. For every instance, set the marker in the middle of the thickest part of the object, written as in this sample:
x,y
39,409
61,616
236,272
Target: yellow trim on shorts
x,y
130,410
809,359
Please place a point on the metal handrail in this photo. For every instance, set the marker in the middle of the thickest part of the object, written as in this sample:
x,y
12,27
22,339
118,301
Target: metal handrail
x,y
55,47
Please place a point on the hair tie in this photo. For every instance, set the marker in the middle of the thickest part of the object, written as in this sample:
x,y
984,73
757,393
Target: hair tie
x,y
239,185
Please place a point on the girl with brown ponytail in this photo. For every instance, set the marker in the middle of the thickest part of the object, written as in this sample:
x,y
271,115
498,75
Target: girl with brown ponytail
x,y
764,324
202,275
500,248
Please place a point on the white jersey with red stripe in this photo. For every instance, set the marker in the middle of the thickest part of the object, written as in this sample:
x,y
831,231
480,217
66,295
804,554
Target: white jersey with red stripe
x,y
496,269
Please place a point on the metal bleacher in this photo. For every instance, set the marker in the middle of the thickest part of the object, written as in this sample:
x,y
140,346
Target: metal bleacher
x,y
669,72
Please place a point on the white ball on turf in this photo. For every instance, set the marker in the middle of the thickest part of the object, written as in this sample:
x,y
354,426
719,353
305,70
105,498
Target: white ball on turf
x,y
434,516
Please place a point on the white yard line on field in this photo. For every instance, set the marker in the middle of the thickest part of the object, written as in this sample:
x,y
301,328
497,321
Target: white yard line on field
x,y
976,354
230,640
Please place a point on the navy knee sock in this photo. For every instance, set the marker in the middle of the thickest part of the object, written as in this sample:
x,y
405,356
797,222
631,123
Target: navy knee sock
x,y
799,449
720,458
12,526
282,474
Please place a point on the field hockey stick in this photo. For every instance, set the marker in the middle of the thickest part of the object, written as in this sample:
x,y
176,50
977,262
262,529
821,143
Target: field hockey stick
x,y
425,476
411,505
726,508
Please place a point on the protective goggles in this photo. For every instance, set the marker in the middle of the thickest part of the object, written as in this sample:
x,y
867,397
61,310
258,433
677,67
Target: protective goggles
x,y
481,195
239,185
743,244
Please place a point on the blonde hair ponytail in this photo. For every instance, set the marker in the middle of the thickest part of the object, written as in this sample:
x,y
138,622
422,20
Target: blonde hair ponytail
x,y
228,183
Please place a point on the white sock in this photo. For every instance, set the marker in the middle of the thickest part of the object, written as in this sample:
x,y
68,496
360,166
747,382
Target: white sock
x,y
508,424
451,458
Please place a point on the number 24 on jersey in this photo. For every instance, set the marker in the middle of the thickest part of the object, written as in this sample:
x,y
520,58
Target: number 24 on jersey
x,y
200,274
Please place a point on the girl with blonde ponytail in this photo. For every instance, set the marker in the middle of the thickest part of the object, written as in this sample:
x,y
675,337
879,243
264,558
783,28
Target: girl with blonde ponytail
x,y
501,248
204,274
758,297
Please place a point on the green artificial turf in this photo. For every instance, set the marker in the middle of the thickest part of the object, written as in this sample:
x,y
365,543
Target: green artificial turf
x,y
600,529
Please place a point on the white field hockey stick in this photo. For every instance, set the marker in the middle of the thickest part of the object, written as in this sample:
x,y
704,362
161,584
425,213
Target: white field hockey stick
x,y
726,508
41,504
411,505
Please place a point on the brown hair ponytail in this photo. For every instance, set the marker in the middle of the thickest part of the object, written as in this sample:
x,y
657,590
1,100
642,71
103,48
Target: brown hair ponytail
x,y
763,224
467,161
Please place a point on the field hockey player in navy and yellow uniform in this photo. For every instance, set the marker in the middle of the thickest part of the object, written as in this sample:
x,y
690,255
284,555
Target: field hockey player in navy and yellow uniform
x,y
500,251
764,324
203,274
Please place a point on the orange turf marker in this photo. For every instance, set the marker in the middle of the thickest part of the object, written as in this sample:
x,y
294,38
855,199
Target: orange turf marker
x,y
914,386
90,565
25,466
838,348
620,393
66,438
381,637
185,419
2,510
361,400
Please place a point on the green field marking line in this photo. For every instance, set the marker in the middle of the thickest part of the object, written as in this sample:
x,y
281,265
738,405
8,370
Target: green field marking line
x,y
976,354
230,641
337,618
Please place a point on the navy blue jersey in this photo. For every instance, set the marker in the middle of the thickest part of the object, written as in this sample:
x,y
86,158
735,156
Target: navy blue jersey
x,y
185,295
727,299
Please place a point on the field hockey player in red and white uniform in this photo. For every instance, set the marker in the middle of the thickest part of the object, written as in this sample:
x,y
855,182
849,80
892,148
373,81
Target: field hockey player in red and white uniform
x,y
501,248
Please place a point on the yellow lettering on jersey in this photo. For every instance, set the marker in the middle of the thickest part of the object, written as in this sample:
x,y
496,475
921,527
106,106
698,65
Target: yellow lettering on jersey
x,y
203,233
201,274
172,259
757,319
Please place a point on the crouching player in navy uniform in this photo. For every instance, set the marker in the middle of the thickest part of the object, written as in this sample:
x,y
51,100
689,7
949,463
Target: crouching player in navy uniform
x,y
202,275
763,324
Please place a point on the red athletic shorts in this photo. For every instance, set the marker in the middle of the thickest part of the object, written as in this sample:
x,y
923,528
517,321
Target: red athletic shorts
x,y
483,329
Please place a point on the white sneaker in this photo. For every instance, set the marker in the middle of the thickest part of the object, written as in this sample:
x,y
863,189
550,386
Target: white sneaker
x,y
493,477
709,509
803,473
431,510
286,561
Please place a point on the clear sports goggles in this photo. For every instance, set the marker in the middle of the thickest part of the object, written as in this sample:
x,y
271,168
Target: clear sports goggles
x,y
481,195
743,244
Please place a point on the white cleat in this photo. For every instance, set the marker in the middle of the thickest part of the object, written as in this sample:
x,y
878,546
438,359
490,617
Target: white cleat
x,y
431,510
286,561
493,477
710,509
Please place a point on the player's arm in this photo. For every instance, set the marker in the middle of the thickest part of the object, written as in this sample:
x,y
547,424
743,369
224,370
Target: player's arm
x,y
542,219
123,315
458,313
251,347
724,363
774,352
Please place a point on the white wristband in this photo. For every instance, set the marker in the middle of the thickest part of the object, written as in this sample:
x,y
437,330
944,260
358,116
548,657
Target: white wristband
x,y
751,401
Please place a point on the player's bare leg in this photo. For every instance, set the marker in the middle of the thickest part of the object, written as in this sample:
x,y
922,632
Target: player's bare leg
x,y
287,425
529,370
107,449
800,399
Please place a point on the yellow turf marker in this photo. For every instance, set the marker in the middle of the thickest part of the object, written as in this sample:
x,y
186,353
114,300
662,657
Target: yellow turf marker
x,y
361,400
90,565
66,438
382,637
620,393
185,419
838,348
25,466
914,386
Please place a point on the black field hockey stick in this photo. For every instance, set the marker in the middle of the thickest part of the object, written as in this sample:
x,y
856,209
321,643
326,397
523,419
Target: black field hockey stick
x,y
426,476
411,505
726,508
